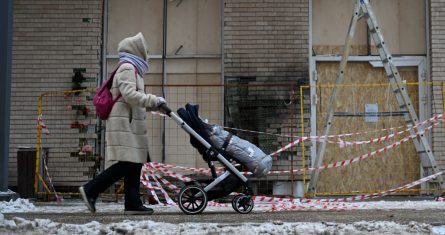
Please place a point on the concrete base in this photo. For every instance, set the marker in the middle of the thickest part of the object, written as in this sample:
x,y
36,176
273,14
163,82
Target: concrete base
x,y
284,188
6,196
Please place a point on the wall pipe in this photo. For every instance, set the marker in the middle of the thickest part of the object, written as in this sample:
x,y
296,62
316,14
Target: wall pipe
x,y
5,88
164,71
103,75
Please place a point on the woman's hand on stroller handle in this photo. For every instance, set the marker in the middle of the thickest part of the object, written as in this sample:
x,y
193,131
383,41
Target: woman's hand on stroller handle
x,y
165,109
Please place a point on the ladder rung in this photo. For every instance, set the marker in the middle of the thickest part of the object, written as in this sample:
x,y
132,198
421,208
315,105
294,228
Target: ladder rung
x,y
404,101
379,45
409,121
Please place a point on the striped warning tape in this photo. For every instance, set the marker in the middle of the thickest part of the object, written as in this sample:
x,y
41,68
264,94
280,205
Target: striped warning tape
x,y
280,204
347,199
166,196
361,157
145,180
319,138
405,128
342,163
42,125
58,197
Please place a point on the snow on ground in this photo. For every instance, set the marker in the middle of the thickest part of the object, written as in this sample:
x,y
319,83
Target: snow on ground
x,y
42,226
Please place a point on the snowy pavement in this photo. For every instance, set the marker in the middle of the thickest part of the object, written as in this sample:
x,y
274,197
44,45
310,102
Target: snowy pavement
x,y
17,225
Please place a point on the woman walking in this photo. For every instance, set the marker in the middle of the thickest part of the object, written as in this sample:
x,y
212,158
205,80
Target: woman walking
x,y
126,128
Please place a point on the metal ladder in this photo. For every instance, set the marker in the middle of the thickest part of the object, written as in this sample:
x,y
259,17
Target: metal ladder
x,y
429,166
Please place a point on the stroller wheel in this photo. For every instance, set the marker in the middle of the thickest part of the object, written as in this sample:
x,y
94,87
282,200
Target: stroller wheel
x,y
192,199
243,204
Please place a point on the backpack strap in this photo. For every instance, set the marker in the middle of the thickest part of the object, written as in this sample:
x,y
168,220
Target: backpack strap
x,y
114,72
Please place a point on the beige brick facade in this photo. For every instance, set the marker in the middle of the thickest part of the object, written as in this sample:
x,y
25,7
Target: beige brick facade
x,y
437,68
266,39
267,42
50,39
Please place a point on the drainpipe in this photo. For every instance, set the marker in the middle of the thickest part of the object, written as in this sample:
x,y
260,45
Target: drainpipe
x,y
5,88
164,71
103,74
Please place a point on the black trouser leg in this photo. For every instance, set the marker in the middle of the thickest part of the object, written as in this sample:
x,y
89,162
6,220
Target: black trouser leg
x,y
131,184
130,170
104,180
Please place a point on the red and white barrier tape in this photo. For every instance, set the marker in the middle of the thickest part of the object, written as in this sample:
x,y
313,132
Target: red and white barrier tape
x,y
175,175
167,198
197,170
361,157
347,199
342,163
280,204
313,207
41,123
440,199
342,143
58,198
145,180
44,129
319,138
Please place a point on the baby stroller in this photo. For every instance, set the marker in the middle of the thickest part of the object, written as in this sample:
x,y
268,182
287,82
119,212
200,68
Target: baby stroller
x,y
216,144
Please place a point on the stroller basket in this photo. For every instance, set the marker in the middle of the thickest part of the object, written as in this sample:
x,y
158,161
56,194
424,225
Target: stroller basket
x,y
216,144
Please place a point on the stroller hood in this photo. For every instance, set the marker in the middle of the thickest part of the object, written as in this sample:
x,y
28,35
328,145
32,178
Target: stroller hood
x,y
239,149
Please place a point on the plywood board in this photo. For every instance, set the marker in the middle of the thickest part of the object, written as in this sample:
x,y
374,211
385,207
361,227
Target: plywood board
x,y
401,21
391,169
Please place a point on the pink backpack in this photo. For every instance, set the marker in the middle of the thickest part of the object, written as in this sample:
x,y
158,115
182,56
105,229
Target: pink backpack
x,y
103,99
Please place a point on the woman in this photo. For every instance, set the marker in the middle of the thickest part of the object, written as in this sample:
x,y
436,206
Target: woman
x,y
126,128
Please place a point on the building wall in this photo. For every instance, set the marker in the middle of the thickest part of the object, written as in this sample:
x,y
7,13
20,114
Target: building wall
x,y
402,23
437,70
267,42
193,58
50,39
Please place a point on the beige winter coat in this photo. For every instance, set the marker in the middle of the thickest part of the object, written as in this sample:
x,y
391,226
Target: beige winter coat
x,y
126,127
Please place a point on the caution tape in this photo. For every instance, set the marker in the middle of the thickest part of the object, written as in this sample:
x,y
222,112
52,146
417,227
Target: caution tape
x,y
347,199
337,164
145,180
359,158
345,143
166,196
314,207
440,199
342,143
197,170
278,204
42,125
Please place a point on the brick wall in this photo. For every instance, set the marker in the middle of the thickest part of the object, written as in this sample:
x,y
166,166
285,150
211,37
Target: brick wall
x,y
437,50
51,38
266,41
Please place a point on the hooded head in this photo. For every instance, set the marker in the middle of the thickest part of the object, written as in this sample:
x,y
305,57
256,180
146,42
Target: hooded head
x,y
135,45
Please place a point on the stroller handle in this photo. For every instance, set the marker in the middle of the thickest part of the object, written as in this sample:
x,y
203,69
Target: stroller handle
x,y
165,109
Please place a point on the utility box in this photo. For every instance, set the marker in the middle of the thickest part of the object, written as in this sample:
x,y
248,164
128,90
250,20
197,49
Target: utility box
x,y
26,167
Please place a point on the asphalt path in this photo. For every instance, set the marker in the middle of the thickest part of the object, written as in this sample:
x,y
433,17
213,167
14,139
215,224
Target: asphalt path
x,y
433,217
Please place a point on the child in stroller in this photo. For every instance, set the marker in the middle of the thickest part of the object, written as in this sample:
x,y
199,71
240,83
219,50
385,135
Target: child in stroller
x,y
216,144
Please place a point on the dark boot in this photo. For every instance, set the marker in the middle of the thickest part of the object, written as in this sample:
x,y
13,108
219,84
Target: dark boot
x,y
90,202
141,210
